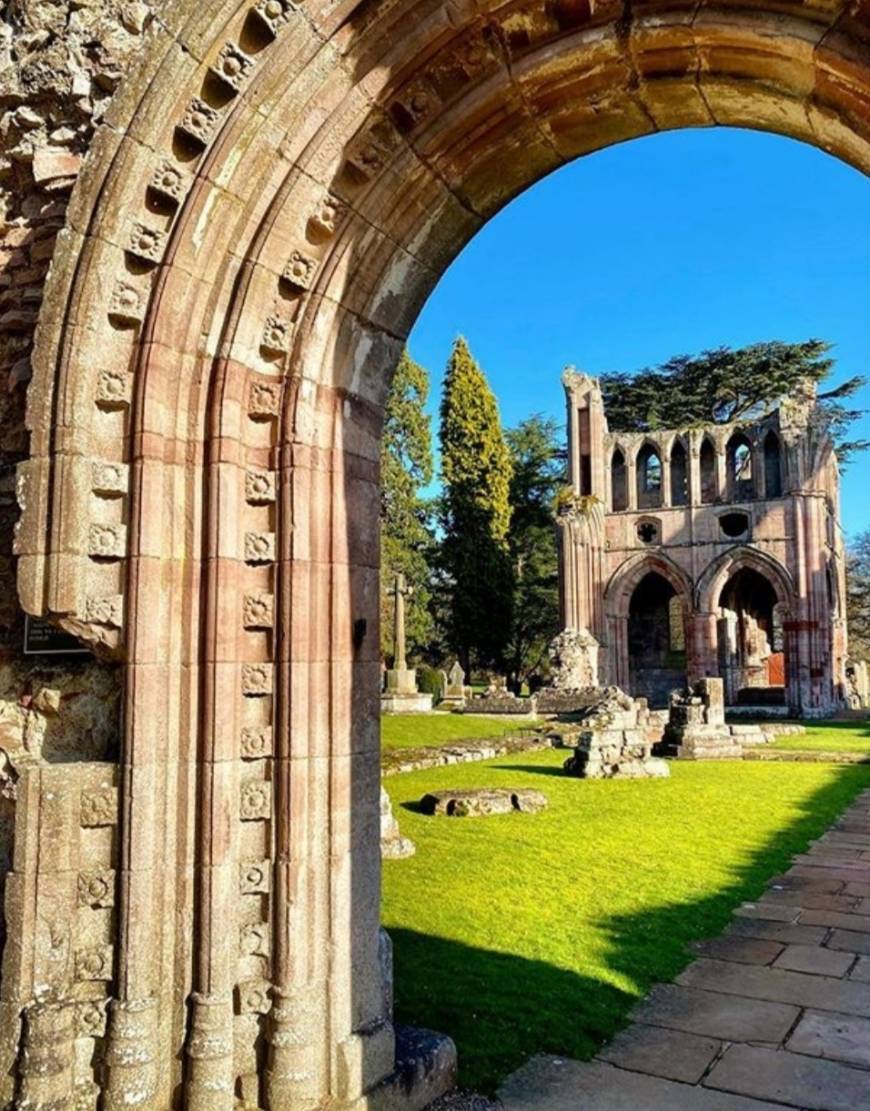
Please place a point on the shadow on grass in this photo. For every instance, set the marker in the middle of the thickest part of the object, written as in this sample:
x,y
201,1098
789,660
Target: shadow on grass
x,y
502,1008
415,806
532,769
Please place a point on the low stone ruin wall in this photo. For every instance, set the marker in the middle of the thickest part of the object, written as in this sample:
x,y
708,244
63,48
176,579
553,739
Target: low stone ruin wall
x,y
396,761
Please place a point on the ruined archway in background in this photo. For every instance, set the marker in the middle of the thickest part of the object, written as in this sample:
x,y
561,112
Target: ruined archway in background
x,y
269,202
656,640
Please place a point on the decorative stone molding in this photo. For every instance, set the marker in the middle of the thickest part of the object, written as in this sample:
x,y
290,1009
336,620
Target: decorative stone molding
x,y
254,997
94,963
256,742
256,801
254,877
258,611
259,547
99,808
107,541
200,121
233,66
109,478
127,303
277,335
299,271
256,679
106,611
146,243
169,181
97,889
259,487
264,399
114,389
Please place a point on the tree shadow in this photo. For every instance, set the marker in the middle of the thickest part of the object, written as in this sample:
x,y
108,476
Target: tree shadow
x,y
501,1008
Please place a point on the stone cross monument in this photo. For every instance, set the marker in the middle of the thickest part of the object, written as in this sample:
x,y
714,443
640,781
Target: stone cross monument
x,y
401,695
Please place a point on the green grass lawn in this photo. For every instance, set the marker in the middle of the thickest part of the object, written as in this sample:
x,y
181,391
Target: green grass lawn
x,y
829,736
524,934
416,730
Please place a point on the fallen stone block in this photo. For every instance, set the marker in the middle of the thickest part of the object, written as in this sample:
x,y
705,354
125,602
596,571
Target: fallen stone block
x,y
482,802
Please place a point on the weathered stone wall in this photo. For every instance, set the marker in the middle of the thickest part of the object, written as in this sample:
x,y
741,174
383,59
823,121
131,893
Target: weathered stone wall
x,y
60,62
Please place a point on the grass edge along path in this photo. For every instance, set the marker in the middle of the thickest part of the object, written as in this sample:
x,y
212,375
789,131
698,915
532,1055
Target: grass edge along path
x,y
527,934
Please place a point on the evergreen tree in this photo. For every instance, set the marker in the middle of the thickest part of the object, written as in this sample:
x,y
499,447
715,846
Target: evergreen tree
x,y
475,515
858,596
539,472
724,385
406,536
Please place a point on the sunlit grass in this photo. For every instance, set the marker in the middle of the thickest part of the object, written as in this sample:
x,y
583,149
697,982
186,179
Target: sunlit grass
x,y
524,934
417,730
829,736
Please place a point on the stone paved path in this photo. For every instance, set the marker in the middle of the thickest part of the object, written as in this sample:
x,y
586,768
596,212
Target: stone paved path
x,y
774,1013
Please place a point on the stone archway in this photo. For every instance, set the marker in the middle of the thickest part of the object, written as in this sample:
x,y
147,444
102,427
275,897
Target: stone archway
x,y
272,196
621,598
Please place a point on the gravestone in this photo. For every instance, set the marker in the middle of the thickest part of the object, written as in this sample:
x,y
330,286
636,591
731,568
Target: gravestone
x,y
393,845
454,692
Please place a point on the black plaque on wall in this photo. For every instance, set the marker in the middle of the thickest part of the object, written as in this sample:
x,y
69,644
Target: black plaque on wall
x,y
44,639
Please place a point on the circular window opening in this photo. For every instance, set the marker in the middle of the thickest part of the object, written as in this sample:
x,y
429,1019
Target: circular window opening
x,y
647,532
734,524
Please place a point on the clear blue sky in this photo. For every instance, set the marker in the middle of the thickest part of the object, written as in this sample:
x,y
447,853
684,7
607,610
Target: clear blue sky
x,y
664,245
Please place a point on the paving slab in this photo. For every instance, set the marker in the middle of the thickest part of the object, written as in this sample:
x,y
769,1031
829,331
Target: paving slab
x,y
813,900
672,1054
777,986
769,912
790,1078
745,950
815,960
715,1015
777,931
835,918
850,940
557,1084
835,1037
861,971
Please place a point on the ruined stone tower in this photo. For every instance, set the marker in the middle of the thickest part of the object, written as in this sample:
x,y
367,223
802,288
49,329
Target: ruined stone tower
x,y
707,551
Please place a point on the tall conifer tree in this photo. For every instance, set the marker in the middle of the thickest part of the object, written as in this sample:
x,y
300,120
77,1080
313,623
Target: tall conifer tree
x,y
475,514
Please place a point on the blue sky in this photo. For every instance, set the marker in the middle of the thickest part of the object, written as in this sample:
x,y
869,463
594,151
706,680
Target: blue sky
x,y
664,245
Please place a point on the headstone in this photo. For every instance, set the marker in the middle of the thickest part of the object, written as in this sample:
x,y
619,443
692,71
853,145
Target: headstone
x,y
393,845
613,740
696,728
482,802
454,693
400,695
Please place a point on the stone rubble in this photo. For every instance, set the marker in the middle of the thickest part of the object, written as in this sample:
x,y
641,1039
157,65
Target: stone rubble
x,y
612,740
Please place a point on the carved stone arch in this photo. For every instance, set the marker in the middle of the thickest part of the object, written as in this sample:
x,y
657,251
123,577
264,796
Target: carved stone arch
x,y
624,580
716,575
270,199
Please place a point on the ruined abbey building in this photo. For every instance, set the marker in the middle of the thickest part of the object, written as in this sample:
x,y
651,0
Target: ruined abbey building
x,y
708,551
219,221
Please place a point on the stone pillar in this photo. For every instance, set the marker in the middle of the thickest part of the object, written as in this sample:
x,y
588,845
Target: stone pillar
x,y
667,494
631,479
